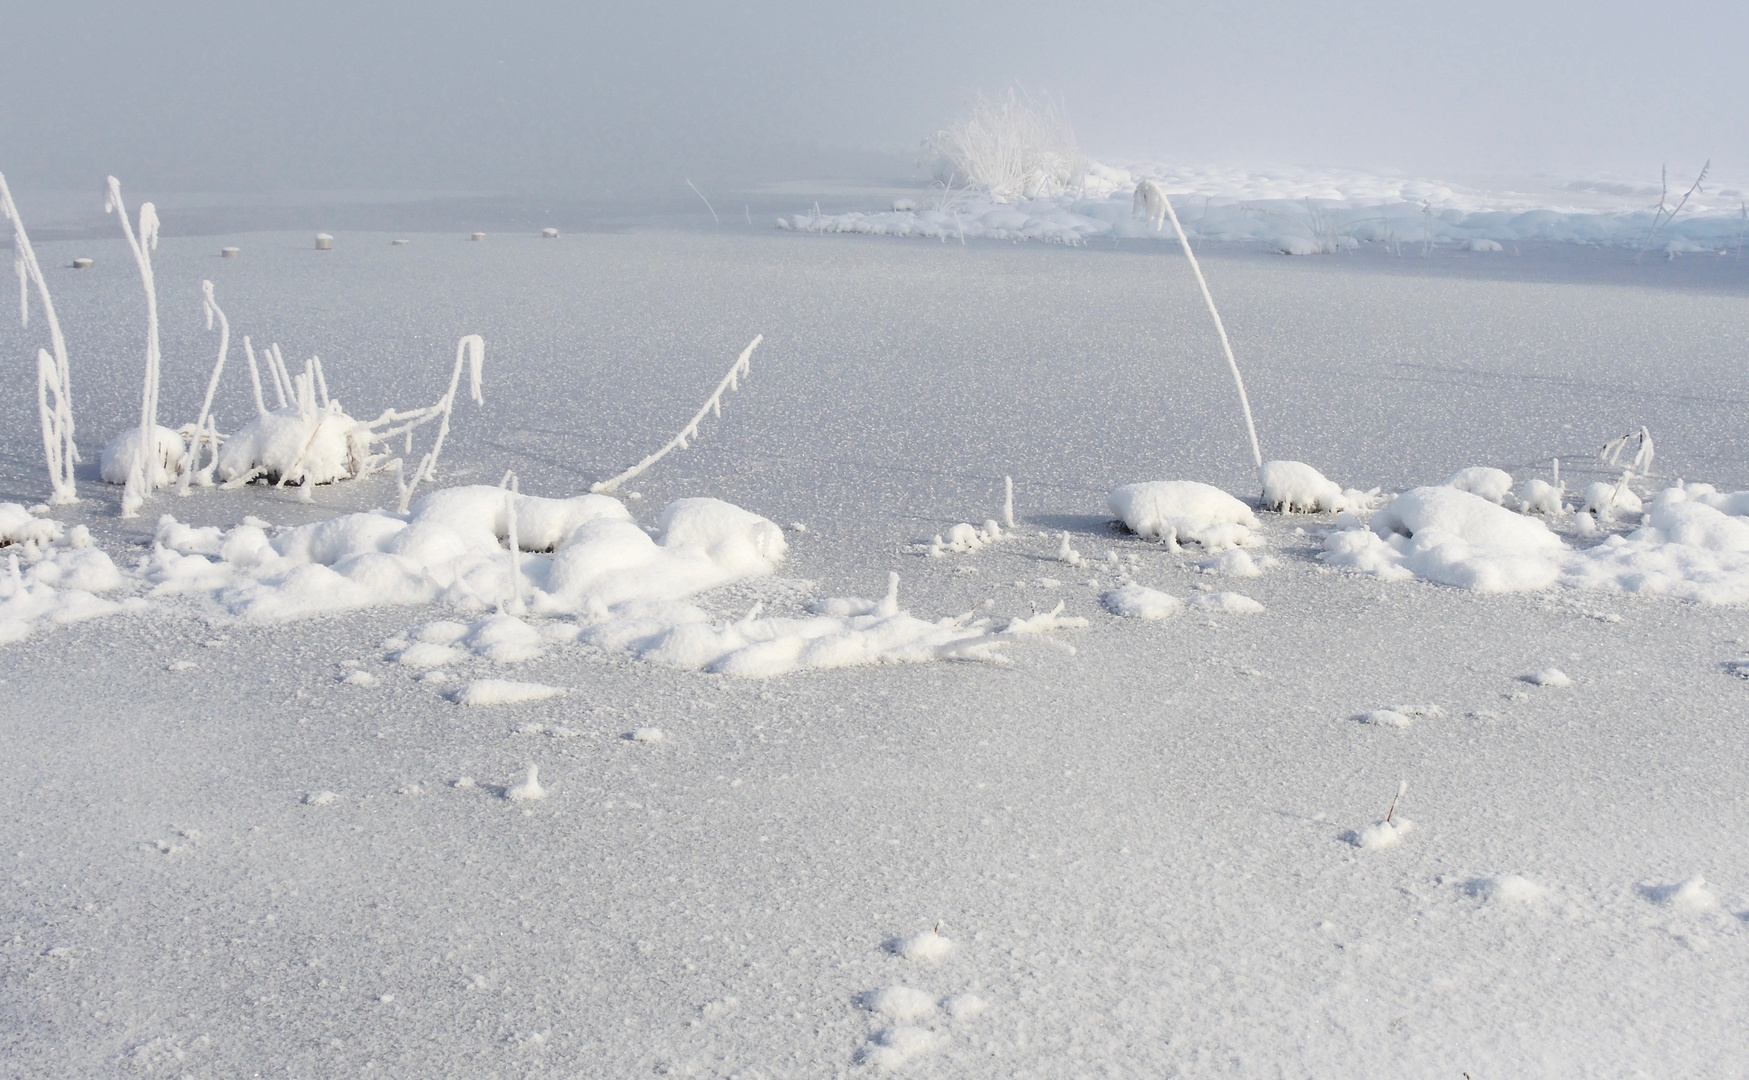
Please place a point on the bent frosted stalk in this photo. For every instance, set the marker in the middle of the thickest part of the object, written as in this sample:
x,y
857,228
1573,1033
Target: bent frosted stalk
x,y
145,474
1152,203
191,458
59,451
470,349
731,381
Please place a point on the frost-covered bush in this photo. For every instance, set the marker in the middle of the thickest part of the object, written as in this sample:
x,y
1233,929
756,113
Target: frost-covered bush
x,y
1010,149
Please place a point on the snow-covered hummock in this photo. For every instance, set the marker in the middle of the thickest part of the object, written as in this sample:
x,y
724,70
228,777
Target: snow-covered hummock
x,y
1453,537
928,947
121,455
317,447
1134,601
1383,834
963,539
1692,544
1293,487
1551,677
1480,480
1690,897
1505,889
51,574
628,591
1610,501
1537,496
1184,511
529,790
1226,603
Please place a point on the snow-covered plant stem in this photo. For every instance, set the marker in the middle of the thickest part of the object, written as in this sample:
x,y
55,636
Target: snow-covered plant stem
x,y
714,403
469,350
1402,787
254,376
147,468
510,489
54,383
191,459
1151,202
1008,502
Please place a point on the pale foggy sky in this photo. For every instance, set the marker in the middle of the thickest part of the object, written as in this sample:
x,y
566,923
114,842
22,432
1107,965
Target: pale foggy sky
x,y
452,96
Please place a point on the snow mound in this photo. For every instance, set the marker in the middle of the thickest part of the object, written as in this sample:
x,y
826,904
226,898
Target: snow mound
x,y
1390,718
962,539
648,735
1691,896
529,790
1235,562
1184,511
902,1004
1483,482
964,1006
1140,602
1227,603
121,456
1452,537
1293,487
1551,677
320,798
894,1046
51,575
1609,501
1539,497
304,447
1381,835
504,692
928,946
1505,889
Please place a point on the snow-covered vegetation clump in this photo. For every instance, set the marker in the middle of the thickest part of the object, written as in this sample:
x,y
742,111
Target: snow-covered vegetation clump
x,y
1293,487
1185,512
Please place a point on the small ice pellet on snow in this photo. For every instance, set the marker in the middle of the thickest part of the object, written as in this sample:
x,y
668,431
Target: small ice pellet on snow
x,y
529,790
360,678
320,798
899,1003
928,946
463,782
1505,889
648,735
1387,718
893,1047
1550,676
1382,835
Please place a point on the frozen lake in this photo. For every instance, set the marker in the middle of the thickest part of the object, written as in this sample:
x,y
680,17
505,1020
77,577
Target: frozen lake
x,y
1136,844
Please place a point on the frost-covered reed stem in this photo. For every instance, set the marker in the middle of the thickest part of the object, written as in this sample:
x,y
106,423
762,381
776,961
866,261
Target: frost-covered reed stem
x,y
191,458
147,468
1008,501
254,376
54,392
1402,787
282,380
714,403
1152,201
510,485
471,350
707,202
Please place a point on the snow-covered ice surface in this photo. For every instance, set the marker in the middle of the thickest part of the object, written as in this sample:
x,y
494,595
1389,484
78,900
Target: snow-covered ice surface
x,y
1141,841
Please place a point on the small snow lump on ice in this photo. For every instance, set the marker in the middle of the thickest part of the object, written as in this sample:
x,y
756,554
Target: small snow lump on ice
x,y
1183,511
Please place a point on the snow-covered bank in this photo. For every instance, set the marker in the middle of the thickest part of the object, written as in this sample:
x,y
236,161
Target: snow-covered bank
x,y
1302,212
